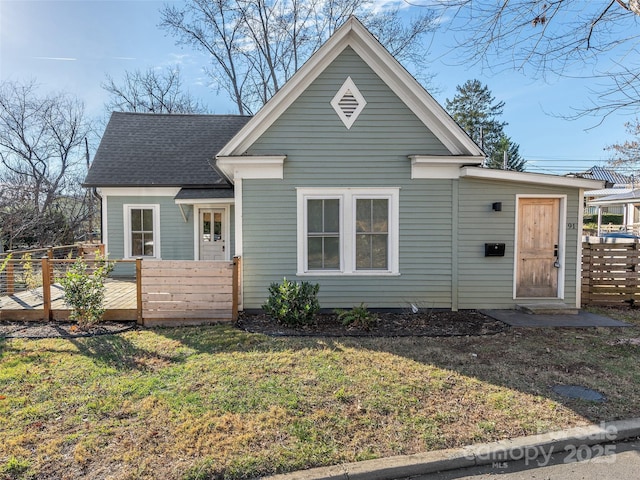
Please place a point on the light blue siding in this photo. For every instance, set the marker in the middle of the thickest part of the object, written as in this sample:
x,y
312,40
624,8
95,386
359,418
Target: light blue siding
x,y
176,235
443,224
488,282
322,152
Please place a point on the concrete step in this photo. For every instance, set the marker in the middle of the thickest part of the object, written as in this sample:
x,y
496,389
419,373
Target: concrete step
x,y
557,308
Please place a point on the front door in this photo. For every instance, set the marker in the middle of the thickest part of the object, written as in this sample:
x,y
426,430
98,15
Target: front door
x,y
212,234
538,248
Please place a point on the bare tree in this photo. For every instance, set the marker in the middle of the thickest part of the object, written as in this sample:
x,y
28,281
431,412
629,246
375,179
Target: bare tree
x,y
41,156
597,39
626,155
151,91
257,45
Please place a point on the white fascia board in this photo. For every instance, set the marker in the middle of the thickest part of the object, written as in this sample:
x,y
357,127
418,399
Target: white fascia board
x,y
139,191
355,35
419,101
525,177
289,92
436,166
252,167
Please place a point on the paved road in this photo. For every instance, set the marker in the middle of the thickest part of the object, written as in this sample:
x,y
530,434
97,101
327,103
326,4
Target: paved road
x,y
620,461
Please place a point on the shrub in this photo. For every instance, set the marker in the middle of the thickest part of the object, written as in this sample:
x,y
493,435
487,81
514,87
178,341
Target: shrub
x,y
84,290
607,218
29,277
292,303
358,317
4,263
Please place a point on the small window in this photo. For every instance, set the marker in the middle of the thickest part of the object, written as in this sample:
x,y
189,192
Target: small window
x,y
141,231
372,234
323,234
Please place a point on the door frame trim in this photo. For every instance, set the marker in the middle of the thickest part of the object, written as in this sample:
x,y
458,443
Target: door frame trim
x,y
562,243
226,218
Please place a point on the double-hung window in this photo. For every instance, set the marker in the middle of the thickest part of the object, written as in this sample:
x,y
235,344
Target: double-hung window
x,y
141,227
323,233
348,231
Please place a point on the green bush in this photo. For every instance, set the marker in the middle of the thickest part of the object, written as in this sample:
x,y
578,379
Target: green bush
x,y
84,290
292,303
607,218
358,317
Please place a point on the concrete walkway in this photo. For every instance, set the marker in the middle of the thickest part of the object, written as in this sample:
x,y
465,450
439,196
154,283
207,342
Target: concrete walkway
x,y
532,447
582,319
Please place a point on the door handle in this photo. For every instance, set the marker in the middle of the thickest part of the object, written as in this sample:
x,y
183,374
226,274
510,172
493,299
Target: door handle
x,y
555,251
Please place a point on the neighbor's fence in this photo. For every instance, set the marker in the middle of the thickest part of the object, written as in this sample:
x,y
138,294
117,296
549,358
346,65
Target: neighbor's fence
x,y
610,273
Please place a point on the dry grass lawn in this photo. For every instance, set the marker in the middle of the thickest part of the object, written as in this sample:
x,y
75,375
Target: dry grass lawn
x,y
215,402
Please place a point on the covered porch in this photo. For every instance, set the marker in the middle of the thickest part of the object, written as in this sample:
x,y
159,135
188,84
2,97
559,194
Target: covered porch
x,y
629,202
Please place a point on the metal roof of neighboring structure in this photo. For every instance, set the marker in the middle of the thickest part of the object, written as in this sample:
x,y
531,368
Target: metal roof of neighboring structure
x,y
632,196
145,149
609,176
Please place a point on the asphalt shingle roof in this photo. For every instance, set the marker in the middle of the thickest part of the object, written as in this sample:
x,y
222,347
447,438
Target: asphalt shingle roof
x,y
141,149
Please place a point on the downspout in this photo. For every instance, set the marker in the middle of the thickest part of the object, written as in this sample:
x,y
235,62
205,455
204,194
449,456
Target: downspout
x,y
95,193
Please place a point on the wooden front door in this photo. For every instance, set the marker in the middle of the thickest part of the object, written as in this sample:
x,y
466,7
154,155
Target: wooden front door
x,y
538,247
212,234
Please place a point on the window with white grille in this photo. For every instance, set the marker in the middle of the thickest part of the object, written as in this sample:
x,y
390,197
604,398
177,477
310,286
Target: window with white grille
x,y
348,103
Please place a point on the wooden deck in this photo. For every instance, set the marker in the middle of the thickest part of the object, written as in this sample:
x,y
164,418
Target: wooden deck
x,y
120,303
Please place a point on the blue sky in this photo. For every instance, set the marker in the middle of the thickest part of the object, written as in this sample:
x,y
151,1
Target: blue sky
x,y
71,46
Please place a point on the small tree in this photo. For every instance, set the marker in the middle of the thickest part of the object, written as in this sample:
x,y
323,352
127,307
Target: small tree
x,y
84,290
514,161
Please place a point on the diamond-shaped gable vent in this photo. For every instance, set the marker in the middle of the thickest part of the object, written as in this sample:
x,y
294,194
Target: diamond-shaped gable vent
x,y
348,102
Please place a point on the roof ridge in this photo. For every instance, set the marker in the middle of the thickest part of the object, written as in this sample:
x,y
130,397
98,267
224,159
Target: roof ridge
x,y
151,114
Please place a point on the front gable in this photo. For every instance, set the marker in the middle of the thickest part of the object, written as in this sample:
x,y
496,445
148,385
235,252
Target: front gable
x,y
311,129
352,52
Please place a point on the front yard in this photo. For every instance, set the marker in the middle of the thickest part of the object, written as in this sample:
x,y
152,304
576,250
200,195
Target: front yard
x,y
215,402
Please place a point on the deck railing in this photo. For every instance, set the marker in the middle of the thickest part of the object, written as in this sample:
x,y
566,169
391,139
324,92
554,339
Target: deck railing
x,y
164,292
23,269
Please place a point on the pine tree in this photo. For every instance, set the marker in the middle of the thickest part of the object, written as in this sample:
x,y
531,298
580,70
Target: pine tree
x,y
477,112
514,161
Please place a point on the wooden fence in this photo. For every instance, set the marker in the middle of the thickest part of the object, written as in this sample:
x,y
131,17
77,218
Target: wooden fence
x,y
610,274
188,292
162,292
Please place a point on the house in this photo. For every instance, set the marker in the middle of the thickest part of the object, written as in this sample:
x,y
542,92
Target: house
x,y
352,176
615,183
627,200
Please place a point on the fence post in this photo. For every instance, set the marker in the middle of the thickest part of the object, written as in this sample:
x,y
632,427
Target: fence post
x,y
10,278
235,288
585,275
140,320
46,289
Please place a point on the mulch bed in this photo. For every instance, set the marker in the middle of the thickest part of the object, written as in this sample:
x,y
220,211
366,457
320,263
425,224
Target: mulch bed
x,y
425,324
60,329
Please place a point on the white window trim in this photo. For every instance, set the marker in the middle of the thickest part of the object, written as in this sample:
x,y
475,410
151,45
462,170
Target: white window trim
x,y
348,197
127,207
